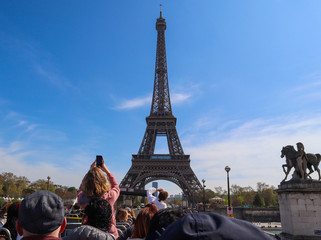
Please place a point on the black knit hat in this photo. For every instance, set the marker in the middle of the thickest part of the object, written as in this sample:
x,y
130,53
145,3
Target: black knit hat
x,y
41,212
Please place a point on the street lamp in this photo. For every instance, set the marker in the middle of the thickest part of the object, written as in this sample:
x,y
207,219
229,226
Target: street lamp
x,y
48,182
227,169
203,180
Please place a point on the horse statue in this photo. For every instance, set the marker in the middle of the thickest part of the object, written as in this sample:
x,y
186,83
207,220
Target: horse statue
x,y
300,163
291,157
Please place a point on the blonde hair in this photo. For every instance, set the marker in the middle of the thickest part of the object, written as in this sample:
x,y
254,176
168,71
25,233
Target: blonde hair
x,y
94,183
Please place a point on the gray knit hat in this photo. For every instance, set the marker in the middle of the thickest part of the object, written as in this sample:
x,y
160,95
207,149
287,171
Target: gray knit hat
x,y
41,212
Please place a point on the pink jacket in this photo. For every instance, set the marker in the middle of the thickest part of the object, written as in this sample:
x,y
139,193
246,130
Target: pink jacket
x,y
111,196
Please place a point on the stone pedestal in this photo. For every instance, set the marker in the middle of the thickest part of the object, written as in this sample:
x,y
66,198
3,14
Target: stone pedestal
x,y
300,209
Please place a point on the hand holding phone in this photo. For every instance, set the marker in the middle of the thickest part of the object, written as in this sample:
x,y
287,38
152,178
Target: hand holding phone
x,y
99,161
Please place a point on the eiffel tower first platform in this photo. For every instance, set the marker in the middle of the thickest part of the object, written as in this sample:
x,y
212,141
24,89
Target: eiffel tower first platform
x,y
175,166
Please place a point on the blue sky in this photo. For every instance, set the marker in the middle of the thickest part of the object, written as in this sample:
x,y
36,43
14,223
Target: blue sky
x,y
76,80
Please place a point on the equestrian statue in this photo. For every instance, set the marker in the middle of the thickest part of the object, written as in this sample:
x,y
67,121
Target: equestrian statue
x,y
301,161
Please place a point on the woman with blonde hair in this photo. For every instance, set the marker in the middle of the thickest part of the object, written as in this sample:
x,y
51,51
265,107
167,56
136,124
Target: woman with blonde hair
x,y
95,184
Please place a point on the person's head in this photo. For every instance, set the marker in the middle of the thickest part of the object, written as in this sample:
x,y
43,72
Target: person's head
x,y
41,213
142,221
122,215
12,216
163,195
95,183
162,219
98,213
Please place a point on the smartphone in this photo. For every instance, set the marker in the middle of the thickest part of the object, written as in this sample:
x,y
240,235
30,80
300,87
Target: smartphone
x,y
99,161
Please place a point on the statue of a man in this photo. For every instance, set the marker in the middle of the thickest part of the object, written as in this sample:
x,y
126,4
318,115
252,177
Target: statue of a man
x,y
301,161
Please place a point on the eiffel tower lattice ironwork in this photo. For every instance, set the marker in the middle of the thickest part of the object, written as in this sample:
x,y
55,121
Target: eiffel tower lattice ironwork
x,y
175,166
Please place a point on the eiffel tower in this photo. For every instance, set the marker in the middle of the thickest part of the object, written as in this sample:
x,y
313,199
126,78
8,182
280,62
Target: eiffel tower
x,y
175,166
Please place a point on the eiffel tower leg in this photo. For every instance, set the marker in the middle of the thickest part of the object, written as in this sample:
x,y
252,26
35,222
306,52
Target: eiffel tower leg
x,y
148,143
174,145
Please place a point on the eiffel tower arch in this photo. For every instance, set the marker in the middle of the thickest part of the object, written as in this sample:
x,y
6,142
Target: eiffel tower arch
x,y
175,166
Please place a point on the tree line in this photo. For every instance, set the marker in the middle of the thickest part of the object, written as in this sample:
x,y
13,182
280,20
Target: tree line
x,y
263,196
20,187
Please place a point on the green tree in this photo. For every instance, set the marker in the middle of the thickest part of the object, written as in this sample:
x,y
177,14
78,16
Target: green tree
x,y
248,197
236,190
1,184
258,201
13,186
72,189
9,188
60,191
236,202
27,191
21,183
42,184
220,192
209,194
267,193
242,195
260,187
71,193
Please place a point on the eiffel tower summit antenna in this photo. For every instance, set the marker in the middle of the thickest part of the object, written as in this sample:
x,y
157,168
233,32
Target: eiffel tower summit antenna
x,y
160,5
146,165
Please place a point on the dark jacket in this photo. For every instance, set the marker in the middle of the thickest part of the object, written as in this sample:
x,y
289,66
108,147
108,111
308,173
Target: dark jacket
x,y
127,233
88,232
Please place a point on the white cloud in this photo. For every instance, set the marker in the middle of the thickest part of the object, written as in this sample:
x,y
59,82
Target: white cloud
x,y
13,159
179,94
11,115
178,98
252,150
52,76
135,103
310,89
21,123
31,127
